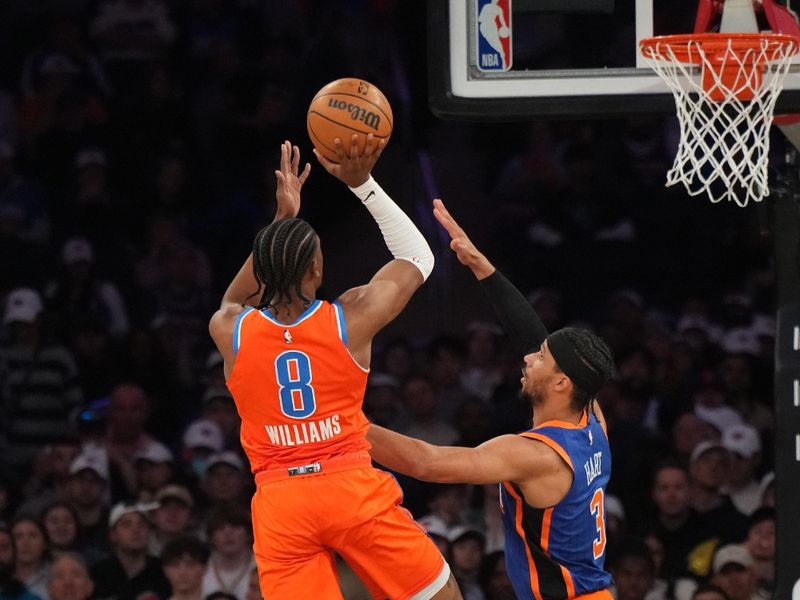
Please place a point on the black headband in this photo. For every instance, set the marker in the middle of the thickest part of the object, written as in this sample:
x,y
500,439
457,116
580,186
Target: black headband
x,y
573,366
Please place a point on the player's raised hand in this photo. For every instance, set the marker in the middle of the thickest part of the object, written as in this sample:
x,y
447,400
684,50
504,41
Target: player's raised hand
x,y
353,168
465,250
289,181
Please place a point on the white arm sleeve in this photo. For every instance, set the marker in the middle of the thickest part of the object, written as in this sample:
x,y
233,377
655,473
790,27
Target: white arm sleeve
x,y
402,237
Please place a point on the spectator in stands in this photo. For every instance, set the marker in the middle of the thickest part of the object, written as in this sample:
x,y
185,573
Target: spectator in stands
x,y
9,495
224,479
129,572
398,359
155,468
472,422
382,403
39,381
709,466
422,405
494,579
767,490
446,357
61,526
87,491
634,572
100,364
688,431
78,293
10,587
127,415
200,440
254,587
615,516
58,76
467,546
481,373
50,473
172,518
185,560
744,445
69,579
64,37
132,35
94,209
737,375
219,407
448,503
214,374
708,591
656,548
24,221
221,596
232,560
710,405
733,572
676,524
32,566
760,542
491,519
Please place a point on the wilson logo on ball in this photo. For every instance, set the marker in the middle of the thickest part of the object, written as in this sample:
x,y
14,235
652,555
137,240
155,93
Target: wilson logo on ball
x,y
369,118
348,109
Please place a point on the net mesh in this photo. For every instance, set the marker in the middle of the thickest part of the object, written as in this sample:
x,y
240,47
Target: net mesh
x,y
725,89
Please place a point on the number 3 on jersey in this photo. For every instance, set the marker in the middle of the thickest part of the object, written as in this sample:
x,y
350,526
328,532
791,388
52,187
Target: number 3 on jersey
x,y
293,374
596,507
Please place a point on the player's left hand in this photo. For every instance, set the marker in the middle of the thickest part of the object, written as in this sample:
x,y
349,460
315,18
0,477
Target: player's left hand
x,y
353,168
289,181
465,250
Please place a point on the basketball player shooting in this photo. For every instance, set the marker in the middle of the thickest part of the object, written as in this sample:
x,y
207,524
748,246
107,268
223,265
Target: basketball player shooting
x,y
553,476
297,368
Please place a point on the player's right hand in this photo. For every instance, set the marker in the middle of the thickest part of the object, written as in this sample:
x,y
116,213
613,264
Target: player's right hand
x,y
465,250
353,169
289,181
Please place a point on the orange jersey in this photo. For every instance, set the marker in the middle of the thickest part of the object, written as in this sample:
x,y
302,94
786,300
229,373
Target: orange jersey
x,y
297,388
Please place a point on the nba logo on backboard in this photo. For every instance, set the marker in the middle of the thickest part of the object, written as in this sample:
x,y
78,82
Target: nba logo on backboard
x,y
494,35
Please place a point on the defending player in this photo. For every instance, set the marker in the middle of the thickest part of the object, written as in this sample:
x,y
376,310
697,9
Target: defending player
x,y
554,475
297,368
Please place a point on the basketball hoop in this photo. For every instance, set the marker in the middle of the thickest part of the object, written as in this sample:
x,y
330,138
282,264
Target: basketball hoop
x,y
725,87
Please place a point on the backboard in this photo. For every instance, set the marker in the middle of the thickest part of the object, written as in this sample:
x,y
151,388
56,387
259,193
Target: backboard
x,y
558,58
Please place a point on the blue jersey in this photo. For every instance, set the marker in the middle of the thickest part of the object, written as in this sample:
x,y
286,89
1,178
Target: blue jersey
x,y
557,553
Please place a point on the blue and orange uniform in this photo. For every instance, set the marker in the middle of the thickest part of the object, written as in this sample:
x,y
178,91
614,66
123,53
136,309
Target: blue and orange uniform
x,y
557,553
299,394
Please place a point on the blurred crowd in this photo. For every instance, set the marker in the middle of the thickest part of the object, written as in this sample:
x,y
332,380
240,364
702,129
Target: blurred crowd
x,y
137,144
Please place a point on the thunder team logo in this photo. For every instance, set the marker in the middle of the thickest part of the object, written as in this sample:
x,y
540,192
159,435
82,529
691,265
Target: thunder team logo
x,y
494,35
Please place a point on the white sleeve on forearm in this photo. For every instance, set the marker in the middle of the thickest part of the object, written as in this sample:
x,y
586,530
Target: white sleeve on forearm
x,y
402,237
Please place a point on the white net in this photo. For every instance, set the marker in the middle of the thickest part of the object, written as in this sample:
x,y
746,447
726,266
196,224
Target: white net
x,y
725,92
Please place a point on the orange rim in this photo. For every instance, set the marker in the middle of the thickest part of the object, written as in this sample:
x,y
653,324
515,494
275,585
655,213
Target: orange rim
x,y
713,44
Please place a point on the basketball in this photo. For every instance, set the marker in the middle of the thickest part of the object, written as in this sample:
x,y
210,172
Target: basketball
x,y
344,107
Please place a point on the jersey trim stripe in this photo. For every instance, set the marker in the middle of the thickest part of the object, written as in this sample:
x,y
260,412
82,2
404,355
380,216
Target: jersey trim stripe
x,y
237,329
568,581
534,575
554,445
340,321
532,525
312,308
545,537
566,425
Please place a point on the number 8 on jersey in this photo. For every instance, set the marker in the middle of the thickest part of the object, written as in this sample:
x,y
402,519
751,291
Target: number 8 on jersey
x,y
293,374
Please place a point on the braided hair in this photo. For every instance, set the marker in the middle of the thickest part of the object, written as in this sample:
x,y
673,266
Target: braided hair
x,y
282,252
596,354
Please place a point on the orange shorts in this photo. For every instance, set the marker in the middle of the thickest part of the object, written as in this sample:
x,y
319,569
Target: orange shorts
x,y
352,509
601,595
